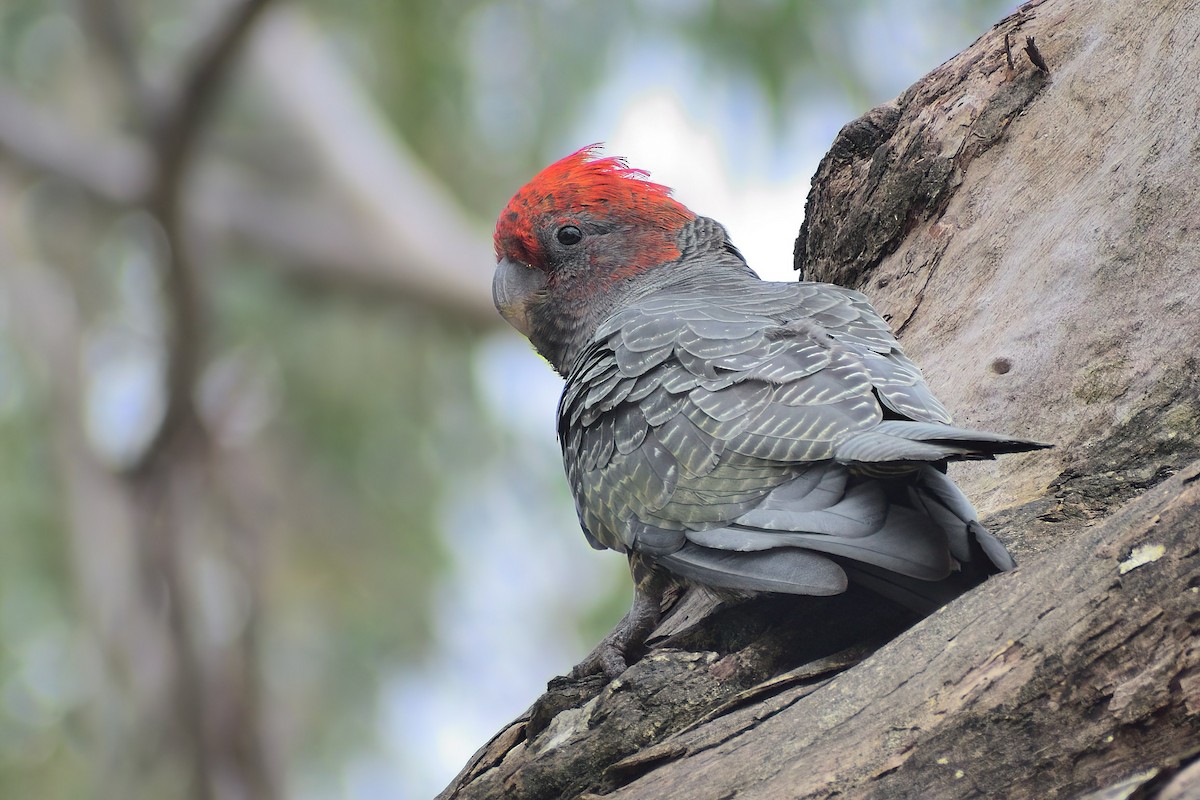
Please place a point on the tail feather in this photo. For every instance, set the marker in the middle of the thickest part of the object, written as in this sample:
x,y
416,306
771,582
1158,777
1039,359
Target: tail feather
x,y
787,570
902,440
905,543
995,551
945,503
922,597
915,540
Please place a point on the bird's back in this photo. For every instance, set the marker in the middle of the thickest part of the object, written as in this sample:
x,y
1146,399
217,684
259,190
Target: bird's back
x,y
770,437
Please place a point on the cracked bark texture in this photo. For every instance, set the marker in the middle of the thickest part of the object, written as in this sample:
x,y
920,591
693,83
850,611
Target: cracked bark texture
x,y
1035,239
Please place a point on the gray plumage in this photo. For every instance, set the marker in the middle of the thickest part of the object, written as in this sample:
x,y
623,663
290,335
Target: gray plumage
x,y
767,436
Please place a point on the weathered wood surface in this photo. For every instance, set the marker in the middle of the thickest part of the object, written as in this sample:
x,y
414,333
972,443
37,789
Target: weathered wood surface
x,y
1036,240
1076,672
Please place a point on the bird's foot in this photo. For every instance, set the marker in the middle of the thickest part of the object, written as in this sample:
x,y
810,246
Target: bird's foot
x,y
607,658
624,643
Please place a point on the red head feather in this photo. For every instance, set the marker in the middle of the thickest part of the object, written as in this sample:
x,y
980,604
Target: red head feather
x,y
583,181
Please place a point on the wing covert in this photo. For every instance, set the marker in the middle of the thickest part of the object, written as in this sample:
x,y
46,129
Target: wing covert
x,y
684,413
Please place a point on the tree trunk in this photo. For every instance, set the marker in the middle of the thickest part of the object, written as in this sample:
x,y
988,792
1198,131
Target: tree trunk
x,y
1034,237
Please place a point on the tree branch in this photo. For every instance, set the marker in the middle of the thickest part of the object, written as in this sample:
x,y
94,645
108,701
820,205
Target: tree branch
x,y
115,172
174,136
111,29
365,163
157,480
317,241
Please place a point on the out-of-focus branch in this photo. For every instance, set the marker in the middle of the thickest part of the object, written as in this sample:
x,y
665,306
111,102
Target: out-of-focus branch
x,y
404,206
158,480
317,241
178,127
101,539
174,135
378,223
110,28
114,171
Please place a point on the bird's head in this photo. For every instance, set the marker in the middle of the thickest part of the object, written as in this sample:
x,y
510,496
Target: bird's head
x,y
571,238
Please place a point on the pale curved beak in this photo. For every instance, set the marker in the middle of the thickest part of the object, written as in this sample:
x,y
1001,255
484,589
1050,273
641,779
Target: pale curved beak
x,y
512,287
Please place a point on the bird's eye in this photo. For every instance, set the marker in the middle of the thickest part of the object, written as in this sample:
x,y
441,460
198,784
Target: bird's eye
x,y
568,235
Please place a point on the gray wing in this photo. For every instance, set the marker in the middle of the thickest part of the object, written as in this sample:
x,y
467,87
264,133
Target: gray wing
x,y
705,430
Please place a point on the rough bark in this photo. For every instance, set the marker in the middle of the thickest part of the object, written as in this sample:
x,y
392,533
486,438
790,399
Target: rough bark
x,y
1035,239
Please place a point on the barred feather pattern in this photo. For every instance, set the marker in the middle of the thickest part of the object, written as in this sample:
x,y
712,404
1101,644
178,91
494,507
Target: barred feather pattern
x,y
760,436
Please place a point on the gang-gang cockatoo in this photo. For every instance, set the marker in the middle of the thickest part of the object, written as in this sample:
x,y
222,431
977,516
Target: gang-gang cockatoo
x,y
719,429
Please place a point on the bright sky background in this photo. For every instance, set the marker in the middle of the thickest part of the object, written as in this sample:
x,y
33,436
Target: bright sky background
x,y
761,212
715,145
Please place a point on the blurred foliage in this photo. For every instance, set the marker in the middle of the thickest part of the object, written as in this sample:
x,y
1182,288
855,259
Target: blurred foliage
x,y
39,715
523,72
374,408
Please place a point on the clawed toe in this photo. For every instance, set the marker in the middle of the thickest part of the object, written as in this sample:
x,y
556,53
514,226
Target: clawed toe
x,y
607,659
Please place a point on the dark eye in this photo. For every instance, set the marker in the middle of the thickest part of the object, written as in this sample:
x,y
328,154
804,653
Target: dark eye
x,y
568,235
